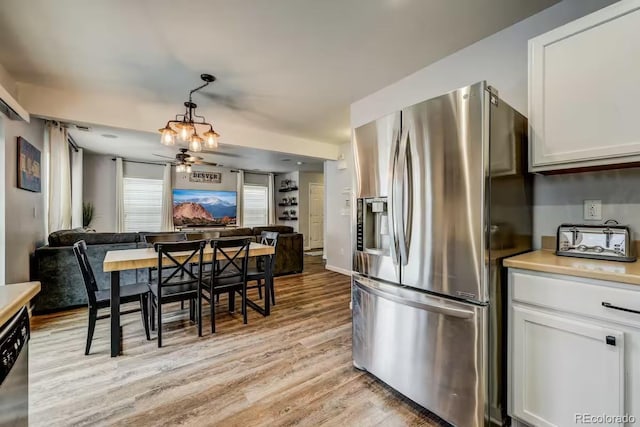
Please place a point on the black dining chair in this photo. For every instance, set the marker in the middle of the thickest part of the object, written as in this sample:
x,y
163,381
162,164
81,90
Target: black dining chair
x,y
258,274
175,279
100,298
228,275
153,238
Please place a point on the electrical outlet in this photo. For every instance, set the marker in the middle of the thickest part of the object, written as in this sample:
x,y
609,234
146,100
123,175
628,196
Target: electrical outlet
x,y
593,210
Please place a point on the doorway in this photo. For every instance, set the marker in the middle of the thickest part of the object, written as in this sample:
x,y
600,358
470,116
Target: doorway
x,y
316,216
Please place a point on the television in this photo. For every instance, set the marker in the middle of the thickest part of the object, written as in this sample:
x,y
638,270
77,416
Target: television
x,y
193,208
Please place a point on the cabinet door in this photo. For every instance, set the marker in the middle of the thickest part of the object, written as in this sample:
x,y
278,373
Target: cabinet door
x,y
562,367
584,88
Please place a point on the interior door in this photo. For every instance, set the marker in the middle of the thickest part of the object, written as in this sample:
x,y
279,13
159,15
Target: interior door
x,y
443,164
316,216
564,367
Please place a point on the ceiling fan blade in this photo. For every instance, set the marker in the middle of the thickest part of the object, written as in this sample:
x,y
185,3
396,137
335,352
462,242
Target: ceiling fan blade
x,y
201,163
193,159
220,153
164,157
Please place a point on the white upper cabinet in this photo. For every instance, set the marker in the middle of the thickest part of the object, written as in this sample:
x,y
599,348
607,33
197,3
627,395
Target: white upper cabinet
x,y
584,91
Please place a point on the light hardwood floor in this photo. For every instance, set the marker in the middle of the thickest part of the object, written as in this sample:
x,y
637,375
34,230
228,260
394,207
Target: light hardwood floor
x,y
292,368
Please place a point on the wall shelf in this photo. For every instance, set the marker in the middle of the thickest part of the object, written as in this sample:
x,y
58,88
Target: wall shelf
x,y
287,204
287,190
293,218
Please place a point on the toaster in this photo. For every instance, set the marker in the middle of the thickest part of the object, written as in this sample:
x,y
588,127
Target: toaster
x,y
608,241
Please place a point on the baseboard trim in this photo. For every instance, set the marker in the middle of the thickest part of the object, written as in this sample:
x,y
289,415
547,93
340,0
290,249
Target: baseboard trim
x,y
338,270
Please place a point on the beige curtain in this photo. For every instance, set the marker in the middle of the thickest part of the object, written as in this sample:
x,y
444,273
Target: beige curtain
x,y
167,200
59,182
272,200
76,188
119,195
239,198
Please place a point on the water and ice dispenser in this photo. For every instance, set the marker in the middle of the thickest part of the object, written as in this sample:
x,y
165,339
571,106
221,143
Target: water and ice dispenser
x,y
372,226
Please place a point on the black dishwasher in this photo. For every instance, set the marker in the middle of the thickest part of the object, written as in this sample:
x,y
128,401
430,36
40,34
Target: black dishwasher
x,y
14,371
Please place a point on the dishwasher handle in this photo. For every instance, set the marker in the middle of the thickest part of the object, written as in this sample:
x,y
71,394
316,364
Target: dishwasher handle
x,y
374,288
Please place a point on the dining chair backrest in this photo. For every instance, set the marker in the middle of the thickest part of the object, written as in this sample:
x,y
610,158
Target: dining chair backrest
x,y
270,238
153,238
90,284
170,267
204,235
231,259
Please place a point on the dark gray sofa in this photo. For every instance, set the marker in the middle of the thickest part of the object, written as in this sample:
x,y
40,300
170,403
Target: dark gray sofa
x,y
54,265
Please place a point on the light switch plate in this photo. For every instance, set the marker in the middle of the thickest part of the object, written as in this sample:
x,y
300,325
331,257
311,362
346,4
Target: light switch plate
x,y
593,210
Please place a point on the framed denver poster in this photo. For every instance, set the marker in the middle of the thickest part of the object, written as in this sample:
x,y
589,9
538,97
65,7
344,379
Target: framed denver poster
x,y
29,166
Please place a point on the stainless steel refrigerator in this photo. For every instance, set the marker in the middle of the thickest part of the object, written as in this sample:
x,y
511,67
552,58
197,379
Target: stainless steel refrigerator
x,y
442,195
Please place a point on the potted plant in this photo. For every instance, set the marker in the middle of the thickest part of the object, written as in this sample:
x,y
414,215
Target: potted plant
x,y
87,214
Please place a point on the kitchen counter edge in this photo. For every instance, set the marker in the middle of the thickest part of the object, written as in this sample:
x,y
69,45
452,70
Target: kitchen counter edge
x,y
15,296
548,262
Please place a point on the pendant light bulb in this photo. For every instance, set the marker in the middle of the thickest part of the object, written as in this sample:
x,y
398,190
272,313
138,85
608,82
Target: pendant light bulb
x,y
212,138
195,144
167,139
184,133
167,136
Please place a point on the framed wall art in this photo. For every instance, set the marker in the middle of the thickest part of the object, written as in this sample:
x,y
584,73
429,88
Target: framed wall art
x,y
29,166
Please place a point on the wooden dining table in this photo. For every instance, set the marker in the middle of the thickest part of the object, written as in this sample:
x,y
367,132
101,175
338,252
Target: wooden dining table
x,y
133,259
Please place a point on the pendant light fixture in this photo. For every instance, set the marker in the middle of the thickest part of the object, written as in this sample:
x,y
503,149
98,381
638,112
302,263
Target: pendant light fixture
x,y
189,127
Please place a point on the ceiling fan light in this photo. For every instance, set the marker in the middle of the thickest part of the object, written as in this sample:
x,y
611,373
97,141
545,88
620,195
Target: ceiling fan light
x,y
187,169
179,168
195,143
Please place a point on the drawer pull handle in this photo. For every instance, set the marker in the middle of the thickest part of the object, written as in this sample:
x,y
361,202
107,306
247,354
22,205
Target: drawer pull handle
x,y
615,307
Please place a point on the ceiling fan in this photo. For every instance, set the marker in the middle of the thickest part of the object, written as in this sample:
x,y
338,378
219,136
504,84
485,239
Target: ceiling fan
x,y
183,160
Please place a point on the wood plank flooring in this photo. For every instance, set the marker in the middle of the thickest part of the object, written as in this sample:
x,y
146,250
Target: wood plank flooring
x,y
292,368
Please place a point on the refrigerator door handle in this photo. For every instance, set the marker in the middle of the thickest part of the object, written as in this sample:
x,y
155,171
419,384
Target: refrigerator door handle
x,y
393,166
373,288
404,224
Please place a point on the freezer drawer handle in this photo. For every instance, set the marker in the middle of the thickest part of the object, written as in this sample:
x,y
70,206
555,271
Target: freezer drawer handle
x,y
615,307
437,308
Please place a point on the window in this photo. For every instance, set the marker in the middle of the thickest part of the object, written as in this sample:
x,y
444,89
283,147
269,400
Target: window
x,y
142,204
255,206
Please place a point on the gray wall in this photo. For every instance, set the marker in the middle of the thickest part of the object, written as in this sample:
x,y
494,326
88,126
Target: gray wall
x,y
24,210
559,198
99,180
256,179
337,232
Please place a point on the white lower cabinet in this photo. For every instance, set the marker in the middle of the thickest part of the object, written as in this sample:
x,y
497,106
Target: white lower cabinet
x,y
571,367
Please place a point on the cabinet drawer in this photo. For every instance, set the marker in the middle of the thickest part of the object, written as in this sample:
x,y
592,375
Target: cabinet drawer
x,y
577,295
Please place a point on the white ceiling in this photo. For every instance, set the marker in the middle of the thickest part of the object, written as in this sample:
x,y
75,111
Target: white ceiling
x,y
288,66
135,145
